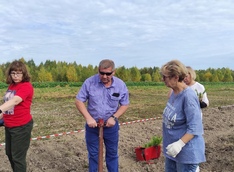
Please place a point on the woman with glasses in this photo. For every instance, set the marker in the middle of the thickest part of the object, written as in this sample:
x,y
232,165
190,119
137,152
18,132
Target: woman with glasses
x,y
196,86
16,114
183,142
108,99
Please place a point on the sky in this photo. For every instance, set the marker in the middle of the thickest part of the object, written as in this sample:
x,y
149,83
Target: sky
x,y
133,33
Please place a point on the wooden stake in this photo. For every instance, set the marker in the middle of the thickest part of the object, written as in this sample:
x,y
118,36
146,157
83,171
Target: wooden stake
x,y
100,152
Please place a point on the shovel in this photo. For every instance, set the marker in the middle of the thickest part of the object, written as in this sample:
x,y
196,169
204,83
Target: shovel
x,y
100,152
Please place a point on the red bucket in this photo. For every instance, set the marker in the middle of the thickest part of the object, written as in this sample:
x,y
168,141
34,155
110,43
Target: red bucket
x,y
145,154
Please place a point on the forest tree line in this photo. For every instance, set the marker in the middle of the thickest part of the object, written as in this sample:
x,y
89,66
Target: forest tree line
x,y
59,71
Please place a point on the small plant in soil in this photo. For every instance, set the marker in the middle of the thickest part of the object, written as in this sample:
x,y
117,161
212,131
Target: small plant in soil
x,y
154,141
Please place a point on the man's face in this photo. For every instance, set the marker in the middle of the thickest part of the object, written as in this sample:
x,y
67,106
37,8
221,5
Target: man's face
x,y
106,75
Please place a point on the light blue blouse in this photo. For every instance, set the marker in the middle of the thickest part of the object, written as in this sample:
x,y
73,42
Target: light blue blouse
x,y
181,115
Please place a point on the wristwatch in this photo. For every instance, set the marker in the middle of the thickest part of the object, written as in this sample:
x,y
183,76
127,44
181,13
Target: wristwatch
x,y
114,117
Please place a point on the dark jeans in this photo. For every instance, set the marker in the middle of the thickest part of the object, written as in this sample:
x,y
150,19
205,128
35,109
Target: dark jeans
x,y
111,139
17,143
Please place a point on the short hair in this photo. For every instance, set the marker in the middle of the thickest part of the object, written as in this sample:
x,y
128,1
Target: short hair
x,y
174,68
191,72
17,66
106,63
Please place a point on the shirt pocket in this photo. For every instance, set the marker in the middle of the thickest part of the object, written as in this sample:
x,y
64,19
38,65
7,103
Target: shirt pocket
x,y
114,101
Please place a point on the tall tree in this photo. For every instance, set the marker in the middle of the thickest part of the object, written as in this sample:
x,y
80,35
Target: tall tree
x,y
156,77
215,77
122,73
228,75
146,77
135,74
2,76
71,74
43,75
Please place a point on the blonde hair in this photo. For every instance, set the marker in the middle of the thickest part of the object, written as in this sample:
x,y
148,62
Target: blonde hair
x,y
174,68
191,72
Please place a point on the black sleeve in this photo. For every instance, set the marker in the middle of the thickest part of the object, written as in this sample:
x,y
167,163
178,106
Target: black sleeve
x,y
203,104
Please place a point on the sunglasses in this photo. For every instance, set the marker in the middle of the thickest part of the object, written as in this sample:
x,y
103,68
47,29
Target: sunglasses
x,y
165,77
105,73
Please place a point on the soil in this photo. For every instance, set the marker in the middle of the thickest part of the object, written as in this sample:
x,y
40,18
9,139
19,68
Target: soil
x,y
67,153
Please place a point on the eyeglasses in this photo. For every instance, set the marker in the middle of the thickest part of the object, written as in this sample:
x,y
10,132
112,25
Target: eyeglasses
x,y
16,74
164,77
105,73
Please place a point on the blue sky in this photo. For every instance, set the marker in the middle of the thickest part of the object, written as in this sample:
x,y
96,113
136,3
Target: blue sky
x,y
141,33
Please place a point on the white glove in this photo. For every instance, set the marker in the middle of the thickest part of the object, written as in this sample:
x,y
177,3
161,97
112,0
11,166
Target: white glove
x,y
175,148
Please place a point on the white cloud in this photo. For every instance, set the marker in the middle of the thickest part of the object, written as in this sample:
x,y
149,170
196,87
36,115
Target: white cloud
x,y
140,33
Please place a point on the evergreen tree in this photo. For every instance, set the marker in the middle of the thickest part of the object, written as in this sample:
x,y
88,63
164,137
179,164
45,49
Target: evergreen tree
x,y
43,75
135,74
122,73
146,77
71,74
228,75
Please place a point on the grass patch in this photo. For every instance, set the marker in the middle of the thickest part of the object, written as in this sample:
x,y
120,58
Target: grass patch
x,y
54,109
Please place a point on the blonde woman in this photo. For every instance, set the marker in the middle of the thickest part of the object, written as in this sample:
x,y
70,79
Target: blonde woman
x,y
183,142
197,87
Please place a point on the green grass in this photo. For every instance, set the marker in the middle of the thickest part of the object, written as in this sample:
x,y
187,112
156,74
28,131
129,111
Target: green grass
x,y
54,110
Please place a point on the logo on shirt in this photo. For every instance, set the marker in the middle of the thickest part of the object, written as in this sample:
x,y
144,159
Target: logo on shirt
x,y
8,96
169,116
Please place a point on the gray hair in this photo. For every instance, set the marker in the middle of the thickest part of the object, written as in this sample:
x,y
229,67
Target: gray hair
x,y
106,63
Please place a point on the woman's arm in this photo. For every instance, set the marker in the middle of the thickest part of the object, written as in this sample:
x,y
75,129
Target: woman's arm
x,y
11,103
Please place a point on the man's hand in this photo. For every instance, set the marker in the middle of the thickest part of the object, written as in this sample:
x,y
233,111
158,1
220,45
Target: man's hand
x,y
110,122
91,122
175,148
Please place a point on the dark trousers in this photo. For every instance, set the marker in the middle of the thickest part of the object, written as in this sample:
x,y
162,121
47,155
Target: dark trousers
x,y
111,139
17,143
